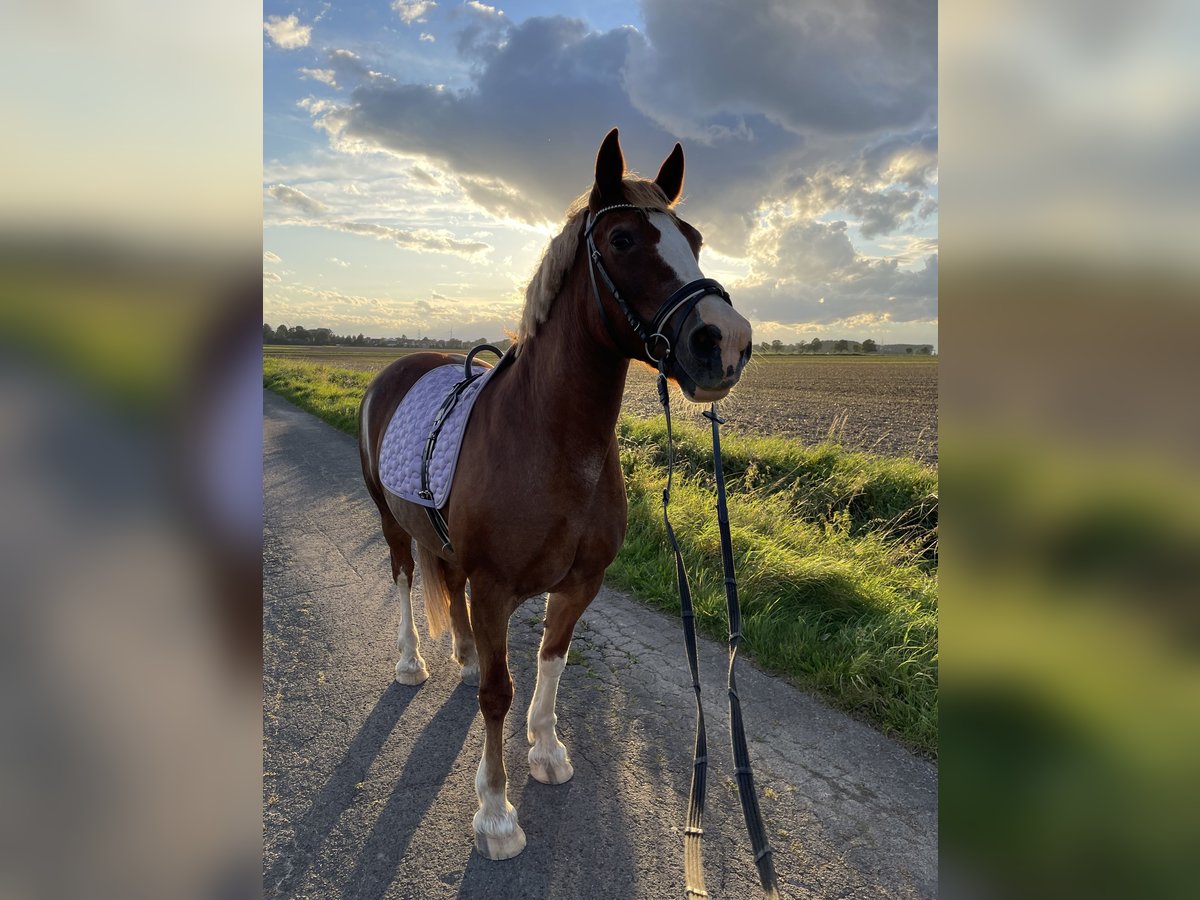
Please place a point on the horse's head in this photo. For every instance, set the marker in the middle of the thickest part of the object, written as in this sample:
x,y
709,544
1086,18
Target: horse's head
x,y
649,292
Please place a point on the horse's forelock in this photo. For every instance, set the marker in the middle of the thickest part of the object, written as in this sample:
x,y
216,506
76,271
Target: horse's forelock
x,y
559,255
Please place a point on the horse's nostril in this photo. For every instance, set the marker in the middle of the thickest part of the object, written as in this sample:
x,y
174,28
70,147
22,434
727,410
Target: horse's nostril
x,y
704,340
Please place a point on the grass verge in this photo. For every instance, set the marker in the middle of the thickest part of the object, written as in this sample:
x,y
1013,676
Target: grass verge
x,y
835,552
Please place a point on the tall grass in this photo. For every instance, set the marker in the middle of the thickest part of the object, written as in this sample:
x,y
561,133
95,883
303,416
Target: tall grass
x,y
835,552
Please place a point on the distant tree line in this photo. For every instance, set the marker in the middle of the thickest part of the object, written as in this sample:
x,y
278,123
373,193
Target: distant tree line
x,y
324,337
816,345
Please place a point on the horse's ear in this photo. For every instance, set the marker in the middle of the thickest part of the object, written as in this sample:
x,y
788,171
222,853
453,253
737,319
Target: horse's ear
x,y
610,169
670,176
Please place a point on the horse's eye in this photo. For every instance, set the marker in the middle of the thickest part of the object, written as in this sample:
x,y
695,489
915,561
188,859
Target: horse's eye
x,y
621,241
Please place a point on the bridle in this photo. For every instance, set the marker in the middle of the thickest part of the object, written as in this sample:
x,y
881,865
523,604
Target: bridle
x,y
681,302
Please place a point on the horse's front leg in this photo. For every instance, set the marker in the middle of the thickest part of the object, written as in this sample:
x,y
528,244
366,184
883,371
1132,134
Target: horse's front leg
x,y
548,759
498,834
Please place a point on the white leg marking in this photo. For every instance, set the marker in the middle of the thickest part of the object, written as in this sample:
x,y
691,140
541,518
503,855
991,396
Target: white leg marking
x,y
466,657
410,668
548,760
498,834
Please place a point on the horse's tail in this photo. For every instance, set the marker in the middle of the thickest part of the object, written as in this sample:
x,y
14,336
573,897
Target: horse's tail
x,y
436,593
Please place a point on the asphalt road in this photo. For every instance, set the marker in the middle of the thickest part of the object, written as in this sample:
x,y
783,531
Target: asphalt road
x,y
369,785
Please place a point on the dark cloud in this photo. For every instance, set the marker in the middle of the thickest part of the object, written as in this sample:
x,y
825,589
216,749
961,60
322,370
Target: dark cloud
x,y
851,67
532,122
865,288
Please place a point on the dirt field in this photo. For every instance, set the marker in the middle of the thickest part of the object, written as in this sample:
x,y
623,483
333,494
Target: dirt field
x,y
884,404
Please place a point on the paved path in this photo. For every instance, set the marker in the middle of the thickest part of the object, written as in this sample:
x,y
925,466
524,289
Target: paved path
x,y
369,784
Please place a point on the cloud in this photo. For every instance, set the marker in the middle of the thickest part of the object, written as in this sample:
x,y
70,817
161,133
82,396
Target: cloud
x,y
484,10
269,257
808,270
287,33
326,76
812,251
411,11
838,68
339,262
297,198
878,288
389,315
548,83
427,37
522,139
426,240
271,276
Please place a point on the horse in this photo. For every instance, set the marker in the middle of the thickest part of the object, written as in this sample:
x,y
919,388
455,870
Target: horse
x,y
538,502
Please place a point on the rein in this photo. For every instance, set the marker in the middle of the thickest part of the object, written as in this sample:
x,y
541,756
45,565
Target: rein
x,y
693,864
651,335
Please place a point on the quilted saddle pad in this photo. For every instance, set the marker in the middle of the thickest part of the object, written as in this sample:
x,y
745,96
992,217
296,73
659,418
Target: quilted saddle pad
x,y
407,432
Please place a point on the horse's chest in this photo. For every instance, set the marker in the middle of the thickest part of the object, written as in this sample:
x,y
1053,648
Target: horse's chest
x,y
563,514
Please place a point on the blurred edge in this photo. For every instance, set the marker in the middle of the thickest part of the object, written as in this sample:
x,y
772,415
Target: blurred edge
x,y
1070,628
130,428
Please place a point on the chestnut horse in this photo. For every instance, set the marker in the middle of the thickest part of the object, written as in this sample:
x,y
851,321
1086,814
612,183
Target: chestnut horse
x,y
538,502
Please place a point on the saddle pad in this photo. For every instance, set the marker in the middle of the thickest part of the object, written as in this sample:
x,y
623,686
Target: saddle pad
x,y
407,432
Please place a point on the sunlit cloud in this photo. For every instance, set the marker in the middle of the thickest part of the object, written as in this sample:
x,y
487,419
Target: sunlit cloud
x,y
287,33
297,198
411,11
325,76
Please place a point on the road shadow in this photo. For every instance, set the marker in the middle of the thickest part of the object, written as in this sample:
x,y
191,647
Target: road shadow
x,y
582,841
339,792
417,787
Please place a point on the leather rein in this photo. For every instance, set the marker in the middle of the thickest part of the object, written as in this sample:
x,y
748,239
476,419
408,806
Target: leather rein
x,y
652,336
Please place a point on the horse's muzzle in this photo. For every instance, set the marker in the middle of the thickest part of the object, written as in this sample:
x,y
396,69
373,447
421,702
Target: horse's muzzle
x,y
714,352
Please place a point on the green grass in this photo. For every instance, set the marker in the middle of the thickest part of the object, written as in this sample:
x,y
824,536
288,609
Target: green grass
x,y
835,552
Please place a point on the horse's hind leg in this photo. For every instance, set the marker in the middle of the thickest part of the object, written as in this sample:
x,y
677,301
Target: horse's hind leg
x,y
460,626
410,667
498,834
548,760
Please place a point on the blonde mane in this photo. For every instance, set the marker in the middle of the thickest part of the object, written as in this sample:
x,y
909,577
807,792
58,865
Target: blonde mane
x,y
559,256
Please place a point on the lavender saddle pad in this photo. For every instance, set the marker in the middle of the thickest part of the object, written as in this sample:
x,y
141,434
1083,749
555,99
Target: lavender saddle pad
x,y
404,440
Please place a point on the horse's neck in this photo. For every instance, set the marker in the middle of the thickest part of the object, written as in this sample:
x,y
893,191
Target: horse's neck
x,y
573,382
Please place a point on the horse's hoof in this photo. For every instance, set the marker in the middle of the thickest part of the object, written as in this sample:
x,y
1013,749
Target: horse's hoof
x,y
500,846
411,671
550,767
470,674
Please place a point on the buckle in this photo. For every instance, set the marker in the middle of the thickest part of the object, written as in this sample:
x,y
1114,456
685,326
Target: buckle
x,y
658,361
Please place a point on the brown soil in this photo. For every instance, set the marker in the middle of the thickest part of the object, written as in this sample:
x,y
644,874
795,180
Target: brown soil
x,y
874,404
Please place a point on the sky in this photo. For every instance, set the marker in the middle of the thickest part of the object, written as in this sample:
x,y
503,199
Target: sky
x,y
419,155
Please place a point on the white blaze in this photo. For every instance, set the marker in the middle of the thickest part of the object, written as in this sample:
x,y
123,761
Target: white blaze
x,y
674,248
676,252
